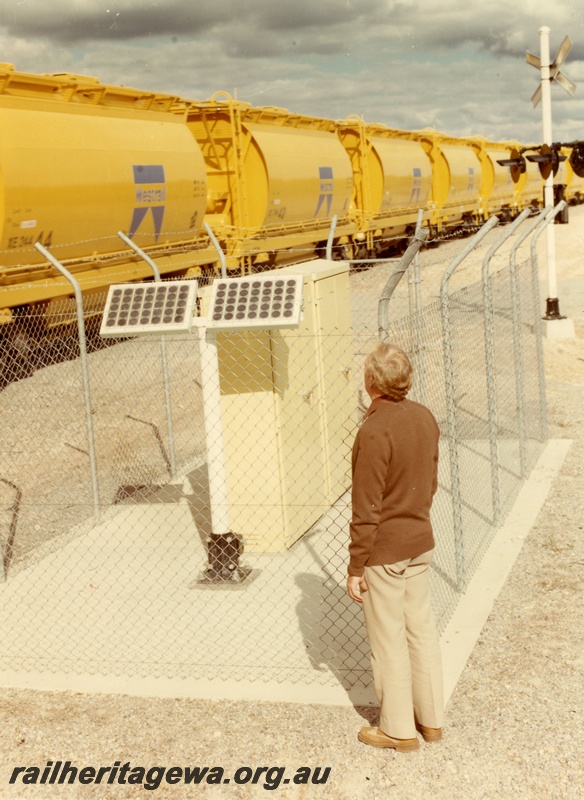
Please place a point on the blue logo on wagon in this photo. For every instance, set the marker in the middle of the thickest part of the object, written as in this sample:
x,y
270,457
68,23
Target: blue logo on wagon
x,y
326,189
416,186
150,195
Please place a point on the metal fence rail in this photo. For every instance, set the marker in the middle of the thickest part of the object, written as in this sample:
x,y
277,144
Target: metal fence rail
x,y
128,592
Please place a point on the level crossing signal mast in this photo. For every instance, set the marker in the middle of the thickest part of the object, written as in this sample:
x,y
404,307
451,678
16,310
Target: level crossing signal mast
x,y
548,155
550,72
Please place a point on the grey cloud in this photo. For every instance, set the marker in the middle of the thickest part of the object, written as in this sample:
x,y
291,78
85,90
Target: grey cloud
x,y
69,21
263,28
498,27
303,14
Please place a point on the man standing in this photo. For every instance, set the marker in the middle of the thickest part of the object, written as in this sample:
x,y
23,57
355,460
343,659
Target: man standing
x,y
395,476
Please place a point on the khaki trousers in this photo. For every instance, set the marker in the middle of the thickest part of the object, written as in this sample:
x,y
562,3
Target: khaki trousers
x,y
405,653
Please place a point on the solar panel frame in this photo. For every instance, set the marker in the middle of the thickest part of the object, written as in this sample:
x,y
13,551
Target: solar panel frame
x,y
152,308
256,302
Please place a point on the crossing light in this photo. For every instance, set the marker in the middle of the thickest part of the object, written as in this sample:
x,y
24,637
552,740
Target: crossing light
x,y
576,159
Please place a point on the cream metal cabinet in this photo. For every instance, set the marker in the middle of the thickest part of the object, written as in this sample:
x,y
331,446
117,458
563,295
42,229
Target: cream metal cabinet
x,y
288,404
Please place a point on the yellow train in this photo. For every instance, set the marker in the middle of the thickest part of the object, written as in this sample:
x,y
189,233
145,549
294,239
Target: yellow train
x,y
81,161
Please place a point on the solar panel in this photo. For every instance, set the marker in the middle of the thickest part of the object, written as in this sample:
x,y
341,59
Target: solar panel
x,y
149,308
256,302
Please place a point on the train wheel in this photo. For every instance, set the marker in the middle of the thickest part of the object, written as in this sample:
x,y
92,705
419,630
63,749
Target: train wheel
x,y
343,252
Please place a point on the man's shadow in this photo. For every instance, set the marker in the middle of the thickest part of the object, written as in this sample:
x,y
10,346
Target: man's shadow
x,y
334,636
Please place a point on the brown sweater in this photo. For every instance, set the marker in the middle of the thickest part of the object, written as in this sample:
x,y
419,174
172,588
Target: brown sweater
x,y
395,475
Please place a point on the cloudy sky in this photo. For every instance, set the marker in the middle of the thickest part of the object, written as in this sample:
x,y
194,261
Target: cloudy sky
x,y
454,65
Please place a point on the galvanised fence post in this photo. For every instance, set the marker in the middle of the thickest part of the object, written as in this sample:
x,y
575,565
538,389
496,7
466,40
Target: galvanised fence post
x,y
84,370
163,357
416,326
490,364
517,344
515,315
451,400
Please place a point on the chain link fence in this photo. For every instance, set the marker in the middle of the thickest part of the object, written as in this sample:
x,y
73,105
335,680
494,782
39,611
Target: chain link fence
x,y
111,558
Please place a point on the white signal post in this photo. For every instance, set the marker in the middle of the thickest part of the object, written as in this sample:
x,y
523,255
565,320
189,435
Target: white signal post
x,y
562,328
546,114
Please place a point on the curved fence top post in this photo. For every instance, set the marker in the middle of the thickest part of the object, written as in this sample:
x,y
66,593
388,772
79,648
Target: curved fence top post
x,y
217,247
144,256
501,241
547,215
456,262
383,305
529,229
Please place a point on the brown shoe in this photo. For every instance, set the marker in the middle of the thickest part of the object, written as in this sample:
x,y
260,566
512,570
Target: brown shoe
x,y
377,738
429,734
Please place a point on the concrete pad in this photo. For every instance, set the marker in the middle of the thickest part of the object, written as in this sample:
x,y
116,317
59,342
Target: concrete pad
x,y
558,328
92,568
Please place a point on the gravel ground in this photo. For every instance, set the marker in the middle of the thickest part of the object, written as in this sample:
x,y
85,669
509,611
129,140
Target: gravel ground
x,y
514,721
